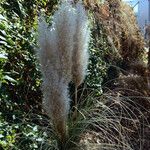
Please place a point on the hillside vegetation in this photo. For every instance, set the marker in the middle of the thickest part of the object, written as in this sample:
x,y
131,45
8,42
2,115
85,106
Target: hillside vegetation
x,y
113,104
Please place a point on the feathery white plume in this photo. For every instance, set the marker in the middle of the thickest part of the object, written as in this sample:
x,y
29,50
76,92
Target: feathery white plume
x,y
63,56
81,41
55,55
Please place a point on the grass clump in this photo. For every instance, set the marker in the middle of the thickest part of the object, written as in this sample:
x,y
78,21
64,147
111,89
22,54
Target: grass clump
x,y
63,56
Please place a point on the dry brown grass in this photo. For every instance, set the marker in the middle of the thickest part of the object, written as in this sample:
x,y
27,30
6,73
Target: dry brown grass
x,y
121,26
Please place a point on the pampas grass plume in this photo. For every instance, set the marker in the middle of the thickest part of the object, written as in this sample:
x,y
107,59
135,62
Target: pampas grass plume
x,y
80,51
63,56
55,55
81,40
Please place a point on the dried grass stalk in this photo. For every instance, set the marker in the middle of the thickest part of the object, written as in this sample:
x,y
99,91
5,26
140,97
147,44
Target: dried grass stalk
x,y
55,55
63,57
81,40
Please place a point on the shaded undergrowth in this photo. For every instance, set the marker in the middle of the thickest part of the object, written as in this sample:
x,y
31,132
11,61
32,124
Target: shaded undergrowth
x,y
112,121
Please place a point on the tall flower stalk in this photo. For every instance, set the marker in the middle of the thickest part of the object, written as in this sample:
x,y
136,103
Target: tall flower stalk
x,y
80,52
63,58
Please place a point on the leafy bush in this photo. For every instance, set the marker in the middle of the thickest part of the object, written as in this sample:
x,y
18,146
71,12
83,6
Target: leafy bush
x,y
19,76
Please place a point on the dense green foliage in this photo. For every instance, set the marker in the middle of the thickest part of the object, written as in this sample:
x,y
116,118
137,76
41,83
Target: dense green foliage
x,y
20,78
